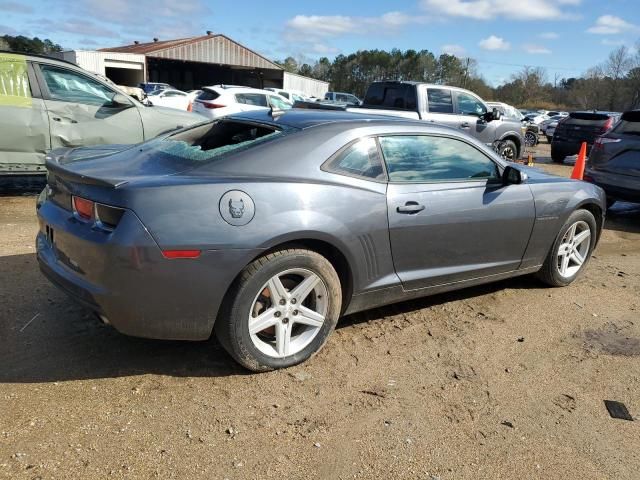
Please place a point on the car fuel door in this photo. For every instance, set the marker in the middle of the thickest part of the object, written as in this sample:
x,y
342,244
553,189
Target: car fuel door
x,y
83,111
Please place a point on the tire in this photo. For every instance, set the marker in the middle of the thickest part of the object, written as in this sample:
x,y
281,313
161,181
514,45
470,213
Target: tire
x,y
250,298
557,157
530,139
550,273
508,150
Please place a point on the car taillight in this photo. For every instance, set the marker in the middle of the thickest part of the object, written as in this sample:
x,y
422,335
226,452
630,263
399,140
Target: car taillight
x,y
587,178
107,216
190,107
600,142
607,125
83,207
212,105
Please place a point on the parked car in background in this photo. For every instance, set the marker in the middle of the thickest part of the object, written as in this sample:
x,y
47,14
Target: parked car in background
x,y
150,87
170,98
580,127
531,131
551,130
46,103
507,110
536,117
221,100
545,123
451,106
193,94
293,97
134,92
215,228
341,97
614,161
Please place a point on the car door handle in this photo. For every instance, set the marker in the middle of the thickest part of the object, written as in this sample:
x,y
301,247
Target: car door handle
x,y
464,125
410,208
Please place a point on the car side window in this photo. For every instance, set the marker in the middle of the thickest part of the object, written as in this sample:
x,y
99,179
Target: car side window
x,y
68,86
15,89
360,159
424,158
439,100
256,99
470,105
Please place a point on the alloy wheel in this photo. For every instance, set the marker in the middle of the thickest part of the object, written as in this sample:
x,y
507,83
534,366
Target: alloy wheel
x,y
508,153
288,312
530,139
573,250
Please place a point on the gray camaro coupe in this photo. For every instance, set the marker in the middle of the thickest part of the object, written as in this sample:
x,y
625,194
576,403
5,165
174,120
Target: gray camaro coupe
x,y
268,228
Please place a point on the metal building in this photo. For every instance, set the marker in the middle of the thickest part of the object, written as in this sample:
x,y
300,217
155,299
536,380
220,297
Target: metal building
x,y
188,63
121,68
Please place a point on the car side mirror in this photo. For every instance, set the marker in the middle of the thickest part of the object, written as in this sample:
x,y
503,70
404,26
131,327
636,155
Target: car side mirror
x,y
120,101
513,176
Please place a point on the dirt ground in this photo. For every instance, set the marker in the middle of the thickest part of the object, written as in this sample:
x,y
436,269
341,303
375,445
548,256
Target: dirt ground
x,y
505,381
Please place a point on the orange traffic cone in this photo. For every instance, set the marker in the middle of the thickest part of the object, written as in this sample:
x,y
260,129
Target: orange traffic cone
x,y
578,170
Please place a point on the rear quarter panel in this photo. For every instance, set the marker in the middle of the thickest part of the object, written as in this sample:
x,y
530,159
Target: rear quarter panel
x,y
351,217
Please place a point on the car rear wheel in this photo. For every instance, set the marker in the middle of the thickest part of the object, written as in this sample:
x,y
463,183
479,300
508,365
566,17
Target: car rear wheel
x,y
557,157
530,139
281,310
571,250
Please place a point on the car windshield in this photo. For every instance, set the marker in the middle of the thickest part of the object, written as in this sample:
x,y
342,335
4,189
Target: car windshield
x,y
208,142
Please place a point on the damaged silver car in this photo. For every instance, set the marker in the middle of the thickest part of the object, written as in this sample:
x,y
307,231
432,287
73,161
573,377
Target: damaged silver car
x,y
47,103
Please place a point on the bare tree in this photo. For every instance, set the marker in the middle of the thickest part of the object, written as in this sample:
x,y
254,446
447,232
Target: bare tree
x,y
616,68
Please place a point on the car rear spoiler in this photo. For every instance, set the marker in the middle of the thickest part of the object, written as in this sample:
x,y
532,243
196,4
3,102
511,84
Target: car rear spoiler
x,y
320,105
631,116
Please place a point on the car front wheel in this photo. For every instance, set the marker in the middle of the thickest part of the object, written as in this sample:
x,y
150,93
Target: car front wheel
x,y
281,310
508,150
571,250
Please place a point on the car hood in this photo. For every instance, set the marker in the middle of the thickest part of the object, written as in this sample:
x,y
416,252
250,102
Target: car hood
x,y
535,175
158,120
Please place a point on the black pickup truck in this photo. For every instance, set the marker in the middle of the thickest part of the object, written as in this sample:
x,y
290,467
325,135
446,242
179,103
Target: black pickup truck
x,y
452,106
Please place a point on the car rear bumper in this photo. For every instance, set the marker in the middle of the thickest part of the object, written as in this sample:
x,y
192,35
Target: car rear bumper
x,y
622,187
123,276
567,147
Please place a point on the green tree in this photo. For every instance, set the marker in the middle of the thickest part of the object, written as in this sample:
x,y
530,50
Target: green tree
x,y
24,44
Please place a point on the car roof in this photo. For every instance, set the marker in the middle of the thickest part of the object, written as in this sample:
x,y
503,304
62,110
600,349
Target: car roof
x,y
428,85
43,56
303,118
603,112
236,89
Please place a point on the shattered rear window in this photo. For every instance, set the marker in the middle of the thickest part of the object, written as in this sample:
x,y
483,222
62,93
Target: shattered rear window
x,y
211,141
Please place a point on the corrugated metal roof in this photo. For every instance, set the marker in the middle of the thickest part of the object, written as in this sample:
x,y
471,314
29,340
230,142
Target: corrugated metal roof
x,y
216,48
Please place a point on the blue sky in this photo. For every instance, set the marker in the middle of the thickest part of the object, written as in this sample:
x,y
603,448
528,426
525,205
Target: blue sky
x,y
564,36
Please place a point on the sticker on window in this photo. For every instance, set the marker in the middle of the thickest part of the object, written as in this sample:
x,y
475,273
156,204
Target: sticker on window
x,y
14,81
